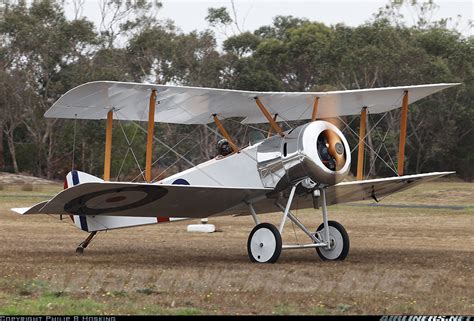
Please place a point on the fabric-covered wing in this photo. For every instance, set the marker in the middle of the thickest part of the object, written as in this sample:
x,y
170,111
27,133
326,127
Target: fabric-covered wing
x,y
196,105
352,191
376,189
151,200
146,200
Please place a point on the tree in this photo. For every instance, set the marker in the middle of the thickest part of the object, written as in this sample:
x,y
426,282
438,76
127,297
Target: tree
x,y
40,42
43,55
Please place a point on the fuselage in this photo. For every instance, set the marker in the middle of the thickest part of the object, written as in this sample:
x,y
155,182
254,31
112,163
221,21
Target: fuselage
x,y
317,151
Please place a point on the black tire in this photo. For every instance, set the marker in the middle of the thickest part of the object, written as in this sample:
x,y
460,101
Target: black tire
x,y
277,246
324,254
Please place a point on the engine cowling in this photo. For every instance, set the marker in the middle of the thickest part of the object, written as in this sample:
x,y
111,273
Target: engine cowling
x,y
317,150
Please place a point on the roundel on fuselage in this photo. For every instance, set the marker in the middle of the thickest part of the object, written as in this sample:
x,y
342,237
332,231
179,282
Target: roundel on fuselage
x,y
181,181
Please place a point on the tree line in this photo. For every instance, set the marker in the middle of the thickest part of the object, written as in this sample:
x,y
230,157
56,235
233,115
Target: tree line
x,y
43,54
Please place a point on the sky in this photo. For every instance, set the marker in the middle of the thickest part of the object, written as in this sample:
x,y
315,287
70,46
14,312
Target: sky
x,y
251,14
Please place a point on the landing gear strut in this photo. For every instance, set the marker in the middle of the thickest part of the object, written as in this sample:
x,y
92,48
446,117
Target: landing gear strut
x,y
264,244
80,248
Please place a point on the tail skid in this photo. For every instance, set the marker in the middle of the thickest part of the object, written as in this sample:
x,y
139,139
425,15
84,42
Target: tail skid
x,y
94,224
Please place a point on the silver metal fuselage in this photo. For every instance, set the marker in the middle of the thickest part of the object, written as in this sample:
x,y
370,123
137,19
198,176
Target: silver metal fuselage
x,y
274,163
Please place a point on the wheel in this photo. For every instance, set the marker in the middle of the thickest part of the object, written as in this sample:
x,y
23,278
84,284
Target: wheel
x,y
79,250
264,244
339,240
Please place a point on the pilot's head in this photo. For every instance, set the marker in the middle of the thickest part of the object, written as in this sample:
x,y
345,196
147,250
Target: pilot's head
x,y
223,147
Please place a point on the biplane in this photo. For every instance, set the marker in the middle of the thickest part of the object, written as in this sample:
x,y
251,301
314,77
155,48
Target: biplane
x,y
307,165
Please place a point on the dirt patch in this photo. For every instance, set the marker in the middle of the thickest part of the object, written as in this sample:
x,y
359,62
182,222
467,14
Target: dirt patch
x,y
20,179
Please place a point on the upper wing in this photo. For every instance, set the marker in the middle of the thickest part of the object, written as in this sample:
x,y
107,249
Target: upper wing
x,y
146,200
196,105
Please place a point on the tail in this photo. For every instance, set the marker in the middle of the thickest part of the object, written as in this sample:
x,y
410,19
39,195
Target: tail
x,y
103,222
74,178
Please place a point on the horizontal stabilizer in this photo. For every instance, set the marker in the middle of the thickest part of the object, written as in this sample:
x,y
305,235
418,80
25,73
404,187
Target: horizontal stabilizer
x,y
20,210
29,210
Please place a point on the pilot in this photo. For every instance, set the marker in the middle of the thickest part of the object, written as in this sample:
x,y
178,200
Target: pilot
x,y
223,148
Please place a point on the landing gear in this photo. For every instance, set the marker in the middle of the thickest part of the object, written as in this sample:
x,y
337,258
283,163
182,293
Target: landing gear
x,y
338,240
265,245
80,248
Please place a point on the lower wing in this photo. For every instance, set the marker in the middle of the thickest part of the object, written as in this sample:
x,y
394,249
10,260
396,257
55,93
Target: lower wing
x,y
145,200
376,189
345,192
152,200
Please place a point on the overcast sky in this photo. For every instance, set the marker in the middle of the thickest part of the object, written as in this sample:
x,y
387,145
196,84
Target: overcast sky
x,y
251,14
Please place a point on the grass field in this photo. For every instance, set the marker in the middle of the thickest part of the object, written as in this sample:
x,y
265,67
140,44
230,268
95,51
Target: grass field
x,y
401,261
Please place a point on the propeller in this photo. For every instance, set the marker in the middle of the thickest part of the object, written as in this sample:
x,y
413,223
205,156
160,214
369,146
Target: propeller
x,y
336,148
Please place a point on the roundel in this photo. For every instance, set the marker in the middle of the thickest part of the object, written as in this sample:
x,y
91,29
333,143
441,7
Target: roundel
x,y
181,181
114,200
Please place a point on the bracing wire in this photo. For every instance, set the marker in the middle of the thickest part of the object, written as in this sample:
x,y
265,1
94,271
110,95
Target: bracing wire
x,y
285,120
249,126
175,162
382,144
179,155
162,156
170,150
368,133
378,151
129,149
129,142
348,124
376,154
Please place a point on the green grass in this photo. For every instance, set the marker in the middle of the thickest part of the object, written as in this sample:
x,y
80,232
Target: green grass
x,y
318,310
63,303
34,297
51,304
147,291
342,308
25,189
402,308
284,309
32,287
188,311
